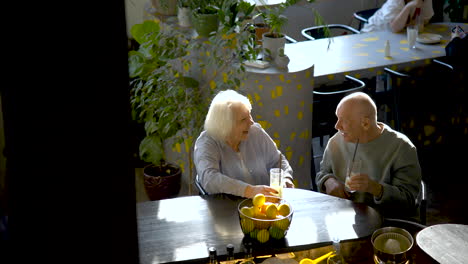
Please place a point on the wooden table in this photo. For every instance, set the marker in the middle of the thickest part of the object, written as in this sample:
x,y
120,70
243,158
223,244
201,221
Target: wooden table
x,y
181,229
446,243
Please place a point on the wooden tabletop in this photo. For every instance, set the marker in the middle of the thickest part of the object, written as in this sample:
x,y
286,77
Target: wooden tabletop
x,y
446,243
181,229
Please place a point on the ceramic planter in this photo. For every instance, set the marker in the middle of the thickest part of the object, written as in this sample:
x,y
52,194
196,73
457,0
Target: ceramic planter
x,y
184,16
271,45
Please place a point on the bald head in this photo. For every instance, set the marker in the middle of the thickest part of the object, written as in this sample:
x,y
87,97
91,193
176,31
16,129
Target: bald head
x,y
360,105
357,118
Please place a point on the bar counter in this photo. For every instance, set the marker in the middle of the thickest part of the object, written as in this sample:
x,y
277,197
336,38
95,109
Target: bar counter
x,y
180,230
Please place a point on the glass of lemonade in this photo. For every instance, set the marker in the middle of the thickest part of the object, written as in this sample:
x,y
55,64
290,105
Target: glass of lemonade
x,y
276,180
354,168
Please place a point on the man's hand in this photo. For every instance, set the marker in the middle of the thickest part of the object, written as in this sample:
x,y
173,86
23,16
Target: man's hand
x,y
335,188
252,190
363,183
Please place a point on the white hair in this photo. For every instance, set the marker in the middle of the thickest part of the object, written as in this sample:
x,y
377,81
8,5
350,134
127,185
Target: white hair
x,y
220,119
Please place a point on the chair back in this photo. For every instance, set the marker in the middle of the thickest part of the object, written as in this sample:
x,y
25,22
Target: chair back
x,y
364,15
421,201
201,190
326,98
318,32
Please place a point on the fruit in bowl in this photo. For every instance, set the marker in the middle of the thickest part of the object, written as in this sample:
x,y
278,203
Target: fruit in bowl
x,y
265,217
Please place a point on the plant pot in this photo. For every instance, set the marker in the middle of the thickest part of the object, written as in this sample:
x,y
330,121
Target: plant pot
x,y
162,182
205,23
282,61
183,16
272,44
165,7
260,29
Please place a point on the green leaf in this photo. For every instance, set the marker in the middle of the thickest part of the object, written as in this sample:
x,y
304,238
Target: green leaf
x,y
142,32
151,149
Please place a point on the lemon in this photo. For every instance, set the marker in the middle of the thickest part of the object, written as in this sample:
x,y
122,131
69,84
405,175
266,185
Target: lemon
x,y
258,200
284,209
247,211
276,233
247,225
263,236
271,211
283,223
307,261
256,210
264,206
253,234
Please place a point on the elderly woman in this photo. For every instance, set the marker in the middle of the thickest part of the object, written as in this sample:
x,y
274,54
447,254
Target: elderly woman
x,y
233,154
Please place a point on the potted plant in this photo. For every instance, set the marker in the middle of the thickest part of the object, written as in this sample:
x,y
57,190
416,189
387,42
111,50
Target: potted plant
x,y
152,72
205,18
173,76
273,17
184,13
165,7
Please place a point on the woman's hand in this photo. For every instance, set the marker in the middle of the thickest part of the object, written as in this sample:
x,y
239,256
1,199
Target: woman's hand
x,y
288,183
252,190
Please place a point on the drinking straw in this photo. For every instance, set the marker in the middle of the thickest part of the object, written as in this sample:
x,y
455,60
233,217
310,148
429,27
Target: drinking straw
x,y
280,171
354,155
355,149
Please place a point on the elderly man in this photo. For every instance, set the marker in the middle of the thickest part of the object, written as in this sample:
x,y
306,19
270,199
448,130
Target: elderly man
x,y
390,175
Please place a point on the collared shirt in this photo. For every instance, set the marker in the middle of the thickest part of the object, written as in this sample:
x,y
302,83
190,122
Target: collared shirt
x,y
223,170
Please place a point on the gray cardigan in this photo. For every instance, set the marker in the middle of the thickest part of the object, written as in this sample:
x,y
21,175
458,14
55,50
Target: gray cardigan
x,y
223,170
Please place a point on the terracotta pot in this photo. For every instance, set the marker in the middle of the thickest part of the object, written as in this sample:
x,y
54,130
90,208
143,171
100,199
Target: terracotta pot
x,y
260,29
162,182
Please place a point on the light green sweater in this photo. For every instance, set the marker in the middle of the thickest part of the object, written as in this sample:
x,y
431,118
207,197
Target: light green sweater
x,y
391,159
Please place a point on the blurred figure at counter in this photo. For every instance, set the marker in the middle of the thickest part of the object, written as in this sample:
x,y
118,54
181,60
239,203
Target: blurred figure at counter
x,y
390,174
395,15
234,154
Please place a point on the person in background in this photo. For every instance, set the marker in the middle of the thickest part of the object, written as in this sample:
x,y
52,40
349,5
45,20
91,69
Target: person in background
x,y
395,15
390,174
234,154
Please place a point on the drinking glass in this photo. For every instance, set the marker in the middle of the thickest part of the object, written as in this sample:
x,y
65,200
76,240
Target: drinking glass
x,y
412,34
354,168
276,180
